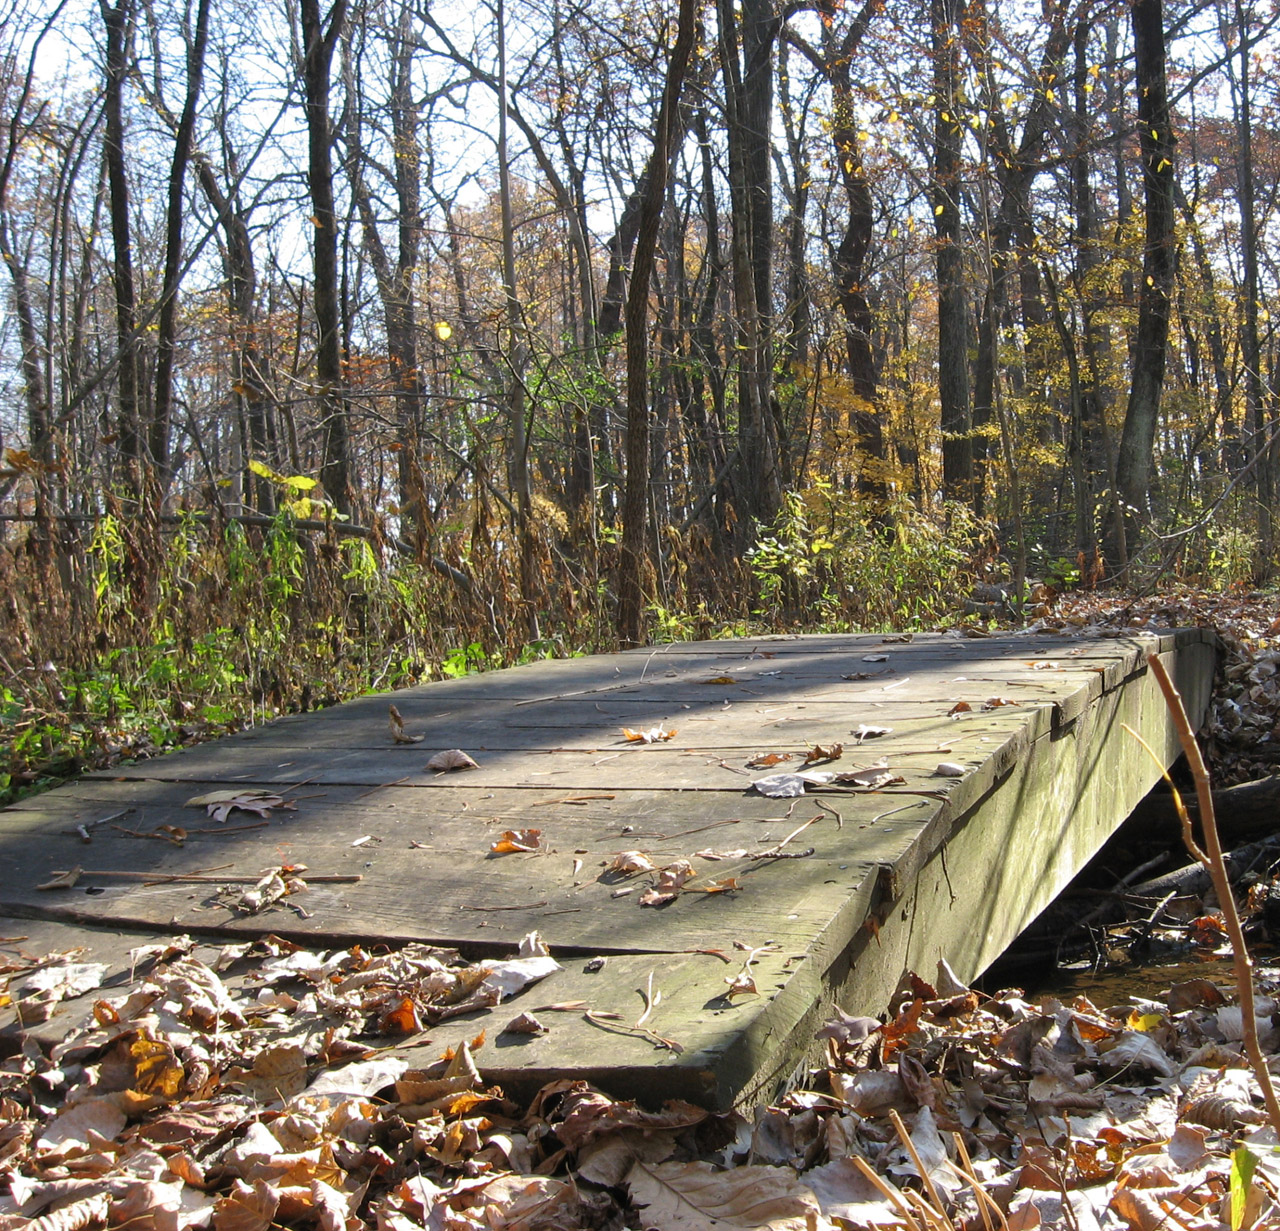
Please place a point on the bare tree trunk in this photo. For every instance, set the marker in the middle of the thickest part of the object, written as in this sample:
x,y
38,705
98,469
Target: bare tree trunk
x,y
953,309
395,281
1137,440
636,495
319,37
746,55
1250,347
520,478
118,20
166,332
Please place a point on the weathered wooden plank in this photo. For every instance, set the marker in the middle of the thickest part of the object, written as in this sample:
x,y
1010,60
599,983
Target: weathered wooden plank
x,y
955,868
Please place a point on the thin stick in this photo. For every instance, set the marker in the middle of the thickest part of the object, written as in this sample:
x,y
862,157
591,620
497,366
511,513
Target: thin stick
x,y
985,1199
773,850
1217,869
901,1129
489,909
158,878
887,1191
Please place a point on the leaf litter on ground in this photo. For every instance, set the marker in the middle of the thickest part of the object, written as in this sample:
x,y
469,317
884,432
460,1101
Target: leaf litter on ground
x,y
187,1101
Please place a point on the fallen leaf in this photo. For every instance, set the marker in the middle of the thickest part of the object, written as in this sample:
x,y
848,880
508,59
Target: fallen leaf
x,y
872,779
525,1023
67,880
630,862
994,703
671,880
398,732
451,758
865,732
695,1196
767,760
787,786
60,980
960,707
741,984
720,679
401,1018
512,840
728,885
832,752
654,735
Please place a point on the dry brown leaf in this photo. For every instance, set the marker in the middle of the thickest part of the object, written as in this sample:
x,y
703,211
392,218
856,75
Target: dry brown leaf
x,y
245,1208
87,1212
695,1196
832,752
671,880
766,760
450,759
67,880
654,735
512,840
401,1018
398,732
720,679
631,862
524,1023
995,703
871,779
960,707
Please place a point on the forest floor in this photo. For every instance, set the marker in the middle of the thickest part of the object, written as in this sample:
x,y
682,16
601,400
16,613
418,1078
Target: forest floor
x,y
263,1085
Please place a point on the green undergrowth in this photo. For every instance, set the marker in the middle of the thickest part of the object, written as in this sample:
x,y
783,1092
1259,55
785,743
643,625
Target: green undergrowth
x,y
136,639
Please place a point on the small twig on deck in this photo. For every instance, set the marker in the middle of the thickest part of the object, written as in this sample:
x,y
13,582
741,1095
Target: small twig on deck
x,y
774,852
491,909
572,799
383,785
83,831
165,878
1212,858
893,811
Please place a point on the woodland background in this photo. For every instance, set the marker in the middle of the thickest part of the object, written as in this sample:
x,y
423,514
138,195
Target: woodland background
x,y
350,345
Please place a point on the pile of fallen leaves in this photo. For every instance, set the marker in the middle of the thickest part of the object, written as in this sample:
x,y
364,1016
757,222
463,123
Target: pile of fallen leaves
x,y
250,1092
1241,735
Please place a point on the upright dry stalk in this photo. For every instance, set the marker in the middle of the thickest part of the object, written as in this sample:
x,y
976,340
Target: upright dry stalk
x,y
1215,865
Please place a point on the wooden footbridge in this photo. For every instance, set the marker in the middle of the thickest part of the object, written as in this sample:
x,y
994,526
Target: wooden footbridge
x,y
884,863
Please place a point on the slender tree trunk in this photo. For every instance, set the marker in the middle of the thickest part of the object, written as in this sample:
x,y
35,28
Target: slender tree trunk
x,y
636,495
1250,346
953,318
1137,440
118,20
520,478
746,54
166,333
319,37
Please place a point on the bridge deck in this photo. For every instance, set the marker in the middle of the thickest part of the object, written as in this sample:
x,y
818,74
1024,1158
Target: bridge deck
x,y
897,878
